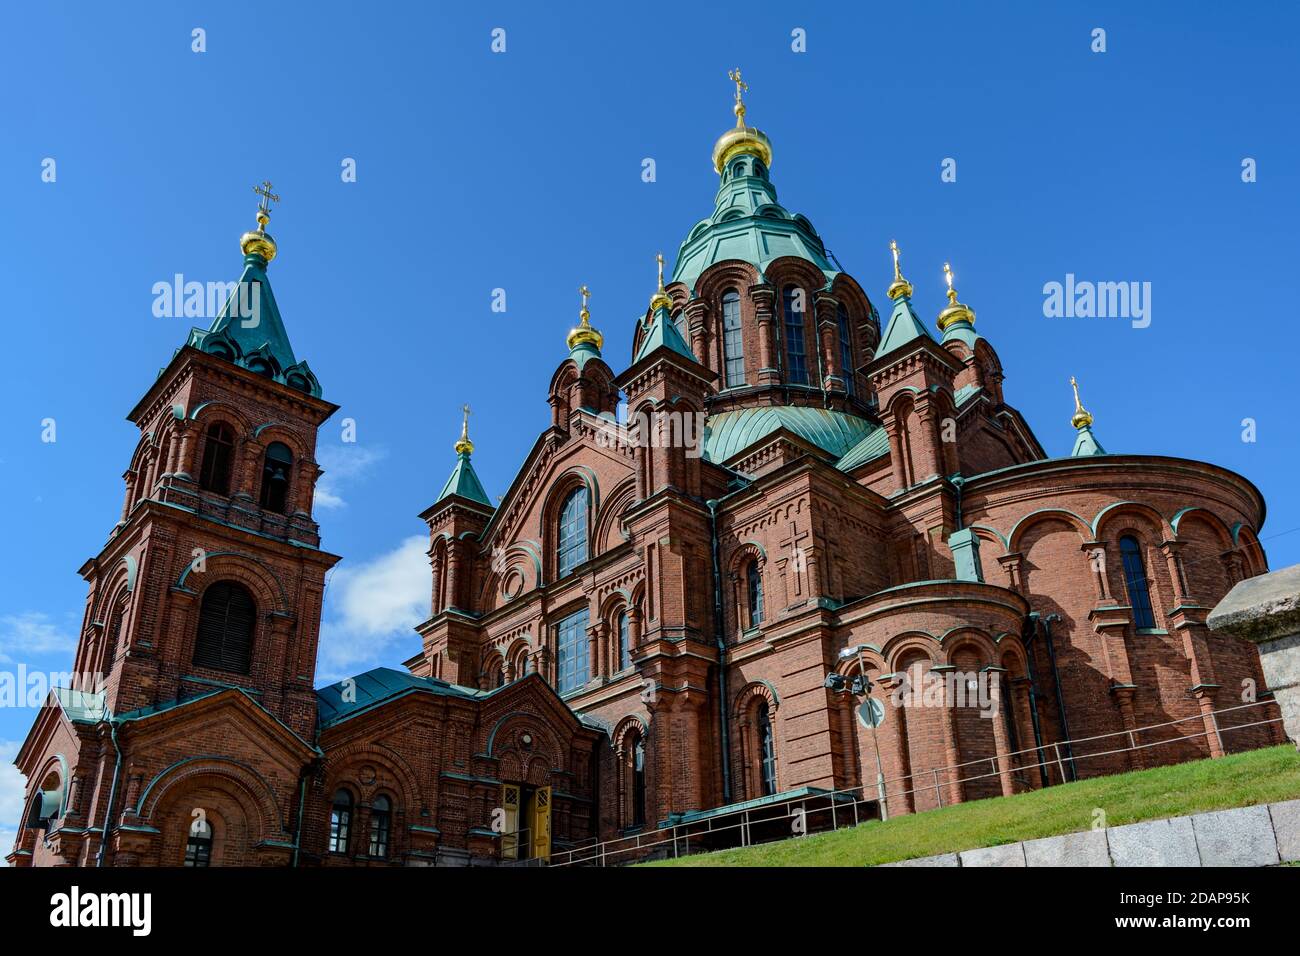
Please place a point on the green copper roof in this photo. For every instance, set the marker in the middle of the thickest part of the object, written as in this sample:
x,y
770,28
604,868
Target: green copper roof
x,y
347,698
748,224
663,334
875,444
1086,444
81,707
249,332
836,433
962,331
464,482
903,327
584,352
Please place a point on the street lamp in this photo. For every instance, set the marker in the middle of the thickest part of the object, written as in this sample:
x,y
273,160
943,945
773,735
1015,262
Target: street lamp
x,y
871,712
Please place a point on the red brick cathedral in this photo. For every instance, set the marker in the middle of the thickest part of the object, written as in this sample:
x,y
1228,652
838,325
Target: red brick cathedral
x,y
656,622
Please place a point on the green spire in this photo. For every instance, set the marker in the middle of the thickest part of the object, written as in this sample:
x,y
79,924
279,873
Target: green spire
x,y
463,481
903,327
662,333
248,330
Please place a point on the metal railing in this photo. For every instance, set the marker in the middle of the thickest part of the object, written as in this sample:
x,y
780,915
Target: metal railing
x,y
676,840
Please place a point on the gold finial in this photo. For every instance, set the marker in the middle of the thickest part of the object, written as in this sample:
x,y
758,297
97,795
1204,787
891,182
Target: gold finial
x,y
899,286
1082,418
741,87
259,242
583,333
741,138
661,299
955,312
464,446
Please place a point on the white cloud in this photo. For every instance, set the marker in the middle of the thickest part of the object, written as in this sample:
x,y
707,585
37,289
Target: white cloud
x,y
30,633
372,606
12,788
342,463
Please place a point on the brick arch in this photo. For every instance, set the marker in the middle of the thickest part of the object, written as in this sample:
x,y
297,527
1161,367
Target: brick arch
x,y
722,276
1015,539
282,432
849,666
907,643
957,639
493,661
558,492
632,723
247,569
341,766
192,772
1245,538
1105,518
206,413
1207,516
750,693
1012,651
607,523
545,740
519,648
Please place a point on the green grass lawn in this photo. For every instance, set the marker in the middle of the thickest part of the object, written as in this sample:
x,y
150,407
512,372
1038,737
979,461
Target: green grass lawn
x,y
1260,776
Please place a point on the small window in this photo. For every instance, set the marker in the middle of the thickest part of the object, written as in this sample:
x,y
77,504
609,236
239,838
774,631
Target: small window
x,y
1135,579
638,782
846,349
572,547
572,652
275,477
766,749
340,822
218,452
624,648
754,587
227,617
733,340
380,824
198,848
795,357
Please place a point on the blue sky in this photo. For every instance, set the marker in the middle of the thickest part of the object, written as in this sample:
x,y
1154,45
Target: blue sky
x,y
522,171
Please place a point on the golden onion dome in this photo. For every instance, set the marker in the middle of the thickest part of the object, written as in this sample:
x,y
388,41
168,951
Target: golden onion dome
x,y
463,445
584,333
258,242
661,299
955,311
899,286
1082,418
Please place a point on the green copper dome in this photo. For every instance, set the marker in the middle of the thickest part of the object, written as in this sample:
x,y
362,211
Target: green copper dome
x,y
837,433
748,224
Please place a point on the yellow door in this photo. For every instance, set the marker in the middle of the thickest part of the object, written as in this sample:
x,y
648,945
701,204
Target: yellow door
x,y
541,824
510,821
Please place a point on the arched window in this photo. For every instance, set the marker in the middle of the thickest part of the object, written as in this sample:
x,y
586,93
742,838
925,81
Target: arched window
x,y
846,348
275,477
572,652
754,589
381,816
572,547
47,803
766,749
497,676
733,340
227,617
114,632
340,822
1135,579
198,848
218,452
792,305
624,647
638,782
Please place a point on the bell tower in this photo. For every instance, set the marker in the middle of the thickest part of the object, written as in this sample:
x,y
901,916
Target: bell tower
x,y
214,576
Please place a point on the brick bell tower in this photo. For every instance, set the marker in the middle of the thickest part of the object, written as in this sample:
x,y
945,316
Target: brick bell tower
x,y
214,578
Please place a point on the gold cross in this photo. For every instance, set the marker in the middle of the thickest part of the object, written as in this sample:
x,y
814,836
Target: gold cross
x,y
585,293
268,197
947,274
893,247
659,257
1078,407
741,85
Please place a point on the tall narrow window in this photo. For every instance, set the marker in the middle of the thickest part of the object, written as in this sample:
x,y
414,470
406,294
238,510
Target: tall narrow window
x,y
638,782
340,822
624,648
796,360
198,848
572,548
275,477
754,587
218,449
846,348
381,818
227,616
1135,579
733,340
766,749
114,633
572,652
